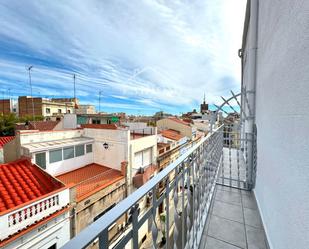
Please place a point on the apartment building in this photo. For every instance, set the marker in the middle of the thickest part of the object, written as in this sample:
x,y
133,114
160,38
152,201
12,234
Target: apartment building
x,y
116,144
5,106
85,109
173,123
171,144
97,118
34,207
48,108
69,156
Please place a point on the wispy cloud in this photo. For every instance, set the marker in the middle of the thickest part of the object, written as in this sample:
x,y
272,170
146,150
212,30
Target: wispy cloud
x,y
154,54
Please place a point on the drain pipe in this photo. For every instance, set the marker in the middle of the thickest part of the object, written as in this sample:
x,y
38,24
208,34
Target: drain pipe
x,y
250,46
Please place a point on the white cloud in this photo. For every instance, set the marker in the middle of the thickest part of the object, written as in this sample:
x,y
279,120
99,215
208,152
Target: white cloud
x,y
159,53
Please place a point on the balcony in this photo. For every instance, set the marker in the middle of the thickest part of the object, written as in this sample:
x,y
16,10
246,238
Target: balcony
x,y
206,202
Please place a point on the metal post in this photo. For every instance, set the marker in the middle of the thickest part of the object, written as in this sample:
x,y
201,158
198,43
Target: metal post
x,y
74,93
29,70
100,92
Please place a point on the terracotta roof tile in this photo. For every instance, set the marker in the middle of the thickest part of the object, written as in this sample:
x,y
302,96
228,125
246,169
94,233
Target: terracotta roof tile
x,y
100,126
4,140
171,134
90,179
179,121
22,182
43,125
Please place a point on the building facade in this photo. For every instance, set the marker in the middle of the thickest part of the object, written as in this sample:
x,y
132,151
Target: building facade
x,y
34,208
185,128
275,56
47,108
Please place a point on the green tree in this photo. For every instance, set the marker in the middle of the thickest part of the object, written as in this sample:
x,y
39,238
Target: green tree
x,y
7,124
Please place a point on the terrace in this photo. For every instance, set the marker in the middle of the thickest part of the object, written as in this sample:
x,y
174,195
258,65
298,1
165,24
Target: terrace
x,y
206,201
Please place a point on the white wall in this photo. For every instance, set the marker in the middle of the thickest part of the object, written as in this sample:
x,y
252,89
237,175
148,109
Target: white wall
x,y
58,168
56,231
33,137
118,148
282,119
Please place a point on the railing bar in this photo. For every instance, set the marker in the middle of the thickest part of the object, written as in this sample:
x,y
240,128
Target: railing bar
x,y
103,239
167,198
95,229
123,242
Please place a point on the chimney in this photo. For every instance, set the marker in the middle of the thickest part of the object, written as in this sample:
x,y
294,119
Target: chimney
x,y
124,166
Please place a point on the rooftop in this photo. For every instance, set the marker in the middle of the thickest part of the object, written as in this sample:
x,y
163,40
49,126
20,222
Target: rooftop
x,y
100,126
180,121
4,140
38,125
90,179
171,134
32,147
22,182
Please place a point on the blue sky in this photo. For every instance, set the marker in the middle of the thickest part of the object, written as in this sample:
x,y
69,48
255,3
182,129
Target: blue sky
x,y
145,56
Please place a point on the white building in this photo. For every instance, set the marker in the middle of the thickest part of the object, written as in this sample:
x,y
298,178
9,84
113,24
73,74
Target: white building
x,y
34,208
275,56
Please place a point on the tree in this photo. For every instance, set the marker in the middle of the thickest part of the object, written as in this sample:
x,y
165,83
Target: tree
x,y
7,124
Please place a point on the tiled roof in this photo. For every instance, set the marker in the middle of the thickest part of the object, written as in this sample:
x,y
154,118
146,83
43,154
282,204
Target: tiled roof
x,y
21,182
38,125
4,140
171,134
100,126
90,179
43,125
179,121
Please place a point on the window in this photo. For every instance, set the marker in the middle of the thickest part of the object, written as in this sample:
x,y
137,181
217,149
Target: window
x,y
47,110
68,153
55,156
40,159
69,111
96,121
88,148
79,150
59,110
54,246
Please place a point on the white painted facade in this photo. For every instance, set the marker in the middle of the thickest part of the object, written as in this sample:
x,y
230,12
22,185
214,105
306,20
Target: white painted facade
x,y
33,143
281,116
55,231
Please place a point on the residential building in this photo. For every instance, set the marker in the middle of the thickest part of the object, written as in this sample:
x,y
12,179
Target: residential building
x,y
85,109
171,144
255,196
34,207
97,119
48,108
138,147
275,56
185,128
69,156
5,106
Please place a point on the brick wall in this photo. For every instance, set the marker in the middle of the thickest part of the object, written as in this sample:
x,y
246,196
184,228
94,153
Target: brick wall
x,y
25,106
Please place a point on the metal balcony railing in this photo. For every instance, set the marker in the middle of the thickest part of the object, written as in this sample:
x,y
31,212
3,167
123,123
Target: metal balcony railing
x,y
188,185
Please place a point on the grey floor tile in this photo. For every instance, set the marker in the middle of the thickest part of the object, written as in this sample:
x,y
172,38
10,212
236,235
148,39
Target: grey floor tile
x,y
228,189
252,218
229,197
249,201
229,231
255,238
212,243
228,211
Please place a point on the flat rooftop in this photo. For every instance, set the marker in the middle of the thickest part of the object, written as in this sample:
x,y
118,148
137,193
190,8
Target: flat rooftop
x,y
90,179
